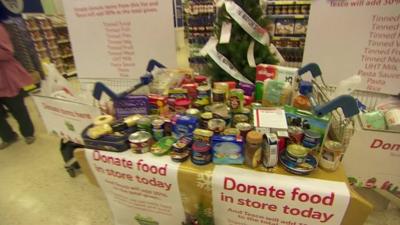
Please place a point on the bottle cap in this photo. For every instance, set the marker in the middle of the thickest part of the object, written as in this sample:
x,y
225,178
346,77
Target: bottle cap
x,y
254,137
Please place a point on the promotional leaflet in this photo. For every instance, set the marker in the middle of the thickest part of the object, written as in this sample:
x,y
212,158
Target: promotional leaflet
x,y
140,188
249,197
358,37
116,38
65,118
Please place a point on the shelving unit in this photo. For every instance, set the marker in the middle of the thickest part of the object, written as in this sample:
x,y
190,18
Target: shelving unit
x,y
51,41
289,27
200,16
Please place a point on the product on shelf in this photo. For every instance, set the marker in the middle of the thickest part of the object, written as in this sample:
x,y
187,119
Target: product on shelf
x,y
51,40
284,26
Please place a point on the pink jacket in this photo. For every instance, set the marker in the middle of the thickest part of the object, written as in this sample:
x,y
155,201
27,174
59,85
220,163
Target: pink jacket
x,y
13,77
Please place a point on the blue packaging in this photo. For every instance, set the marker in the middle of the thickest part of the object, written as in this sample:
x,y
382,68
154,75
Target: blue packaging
x,y
130,105
227,149
184,126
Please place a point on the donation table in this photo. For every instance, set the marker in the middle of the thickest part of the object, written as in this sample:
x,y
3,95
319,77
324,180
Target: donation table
x,y
145,189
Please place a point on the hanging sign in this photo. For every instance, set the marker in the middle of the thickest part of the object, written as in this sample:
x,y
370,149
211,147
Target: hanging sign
x,y
14,6
222,61
247,23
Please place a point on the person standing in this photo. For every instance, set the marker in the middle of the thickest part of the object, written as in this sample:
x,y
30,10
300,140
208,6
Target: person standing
x,y
13,77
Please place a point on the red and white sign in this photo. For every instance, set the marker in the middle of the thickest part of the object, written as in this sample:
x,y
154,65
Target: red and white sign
x,y
140,188
372,160
65,118
358,37
117,38
248,197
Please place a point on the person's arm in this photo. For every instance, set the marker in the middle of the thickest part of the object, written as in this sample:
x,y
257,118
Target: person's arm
x,y
6,48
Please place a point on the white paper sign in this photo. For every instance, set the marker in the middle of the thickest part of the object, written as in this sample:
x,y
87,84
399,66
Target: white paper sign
x,y
249,197
117,38
358,37
372,160
140,188
65,118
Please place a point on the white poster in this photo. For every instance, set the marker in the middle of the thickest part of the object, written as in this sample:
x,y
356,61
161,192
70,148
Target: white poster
x,y
117,38
347,37
65,118
140,188
372,160
248,197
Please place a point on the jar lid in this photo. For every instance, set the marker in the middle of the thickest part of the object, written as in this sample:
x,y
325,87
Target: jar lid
x,y
200,146
243,126
182,102
254,137
192,111
297,150
334,146
200,78
139,137
157,122
207,115
218,91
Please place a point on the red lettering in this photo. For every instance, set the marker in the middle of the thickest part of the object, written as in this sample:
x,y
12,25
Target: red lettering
x,y
226,183
376,143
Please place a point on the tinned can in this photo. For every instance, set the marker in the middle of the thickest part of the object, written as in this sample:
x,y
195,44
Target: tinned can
x,y
219,95
239,118
168,127
140,141
201,153
193,112
216,125
205,117
244,128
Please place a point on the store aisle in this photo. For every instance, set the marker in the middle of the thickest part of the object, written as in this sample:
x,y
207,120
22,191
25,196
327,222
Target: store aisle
x,y
35,189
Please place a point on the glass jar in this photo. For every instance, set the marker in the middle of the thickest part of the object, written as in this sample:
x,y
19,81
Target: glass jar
x,y
253,150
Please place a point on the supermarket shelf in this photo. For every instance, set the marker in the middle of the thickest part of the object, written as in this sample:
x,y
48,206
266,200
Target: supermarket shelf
x,y
290,16
41,50
59,26
37,39
277,38
288,2
290,48
70,74
63,41
66,56
33,29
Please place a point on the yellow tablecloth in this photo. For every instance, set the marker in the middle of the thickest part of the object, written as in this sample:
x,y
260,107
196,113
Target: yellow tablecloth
x,y
357,211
